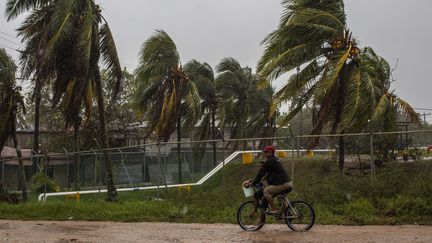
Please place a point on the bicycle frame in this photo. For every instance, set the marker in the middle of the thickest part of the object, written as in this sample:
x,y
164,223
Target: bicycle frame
x,y
281,210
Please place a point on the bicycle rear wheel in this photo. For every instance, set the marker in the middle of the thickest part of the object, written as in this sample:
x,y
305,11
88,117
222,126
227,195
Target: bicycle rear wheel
x,y
247,220
300,216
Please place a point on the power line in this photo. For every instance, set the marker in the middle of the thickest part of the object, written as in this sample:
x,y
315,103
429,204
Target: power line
x,y
10,47
9,35
10,41
423,109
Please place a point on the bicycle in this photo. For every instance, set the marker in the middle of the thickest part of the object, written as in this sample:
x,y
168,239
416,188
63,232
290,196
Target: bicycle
x,y
298,215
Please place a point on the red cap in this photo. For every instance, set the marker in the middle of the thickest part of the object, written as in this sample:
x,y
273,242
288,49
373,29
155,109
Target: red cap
x,y
269,148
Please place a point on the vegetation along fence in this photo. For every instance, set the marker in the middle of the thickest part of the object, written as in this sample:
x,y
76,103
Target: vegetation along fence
x,y
169,163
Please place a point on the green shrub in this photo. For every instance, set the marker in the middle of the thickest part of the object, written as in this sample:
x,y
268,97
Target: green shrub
x,y
406,205
360,211
39,181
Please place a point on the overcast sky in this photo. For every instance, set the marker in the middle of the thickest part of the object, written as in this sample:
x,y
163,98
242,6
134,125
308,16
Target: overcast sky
x,y
209,30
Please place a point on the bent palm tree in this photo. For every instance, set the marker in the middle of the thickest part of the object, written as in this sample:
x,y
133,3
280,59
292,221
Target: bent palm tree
x,y
263,113
64,41
11,105
203,76
238,88
388,104
165,94
313,36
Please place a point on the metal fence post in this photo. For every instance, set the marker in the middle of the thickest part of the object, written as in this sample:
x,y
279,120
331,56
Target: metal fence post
x,y
46,174
223,162
95,165
298,146
372,155
161,171
292,155
124,166
143,165
67,168
100,172
100,167
3,169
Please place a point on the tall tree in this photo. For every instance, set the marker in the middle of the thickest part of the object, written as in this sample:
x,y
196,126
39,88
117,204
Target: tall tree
x,y
263,113
31,57
11,107
204,78
313,36
64,41
238,87
165,94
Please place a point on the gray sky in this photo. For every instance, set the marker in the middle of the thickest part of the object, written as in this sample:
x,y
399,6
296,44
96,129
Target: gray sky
x,y
209,30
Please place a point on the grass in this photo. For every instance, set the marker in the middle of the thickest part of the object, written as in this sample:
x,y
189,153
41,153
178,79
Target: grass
x,y
400,194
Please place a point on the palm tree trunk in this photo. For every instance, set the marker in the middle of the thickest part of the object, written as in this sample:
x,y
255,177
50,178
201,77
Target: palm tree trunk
x,y
76,156
214,137
341,153
178,149
21,171
6,196
36,126
111,190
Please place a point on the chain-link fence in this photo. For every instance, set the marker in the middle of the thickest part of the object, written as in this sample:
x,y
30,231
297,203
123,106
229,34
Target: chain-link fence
x,y
188,162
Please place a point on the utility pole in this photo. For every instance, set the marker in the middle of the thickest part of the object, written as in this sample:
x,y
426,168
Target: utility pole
x,y
424,117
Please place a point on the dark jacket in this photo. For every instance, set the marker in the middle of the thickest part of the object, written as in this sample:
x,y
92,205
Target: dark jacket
x,y
276,174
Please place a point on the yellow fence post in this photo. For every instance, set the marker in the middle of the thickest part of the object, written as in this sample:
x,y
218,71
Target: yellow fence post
x,y
75,196
282,154
247,158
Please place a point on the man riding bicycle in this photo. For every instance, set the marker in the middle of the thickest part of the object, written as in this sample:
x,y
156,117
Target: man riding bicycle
x,y
277,178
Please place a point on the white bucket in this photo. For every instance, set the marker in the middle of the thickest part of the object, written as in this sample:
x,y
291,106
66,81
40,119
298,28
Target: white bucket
x,y
248,191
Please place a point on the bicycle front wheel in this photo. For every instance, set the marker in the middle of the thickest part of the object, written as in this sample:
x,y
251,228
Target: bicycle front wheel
x,y
300,216
248,219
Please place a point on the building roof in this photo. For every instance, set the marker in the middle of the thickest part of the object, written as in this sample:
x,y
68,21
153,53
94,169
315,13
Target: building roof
x,y
9,156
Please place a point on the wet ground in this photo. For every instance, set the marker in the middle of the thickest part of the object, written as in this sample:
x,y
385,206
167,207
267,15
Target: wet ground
x,y
76,231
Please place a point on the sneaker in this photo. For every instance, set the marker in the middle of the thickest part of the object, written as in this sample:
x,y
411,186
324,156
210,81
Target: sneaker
x,y
274,211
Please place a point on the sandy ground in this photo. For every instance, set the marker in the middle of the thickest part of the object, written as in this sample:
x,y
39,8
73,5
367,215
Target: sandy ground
x,y
73,231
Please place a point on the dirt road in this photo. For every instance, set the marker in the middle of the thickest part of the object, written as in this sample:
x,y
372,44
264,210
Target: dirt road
x,y
72,231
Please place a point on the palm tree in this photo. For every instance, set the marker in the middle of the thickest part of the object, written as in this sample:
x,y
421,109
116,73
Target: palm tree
x,y
313,36
237,86
64,41
388,106
11,106
263,113
166,94
386,102
35,33
203,76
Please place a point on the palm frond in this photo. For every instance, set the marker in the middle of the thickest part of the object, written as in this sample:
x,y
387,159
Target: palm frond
x,y
227,83
158,55
228,64
192,105
332,71
16,7
312,15
60,25
110,57
286,61
299,81
351,96
384,104
408,110
284,120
